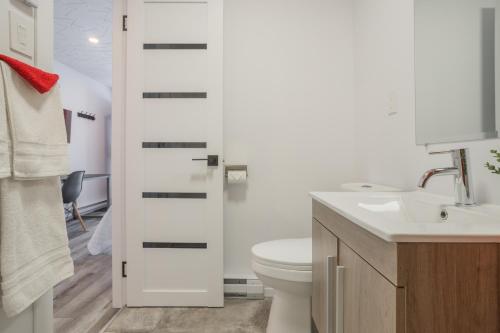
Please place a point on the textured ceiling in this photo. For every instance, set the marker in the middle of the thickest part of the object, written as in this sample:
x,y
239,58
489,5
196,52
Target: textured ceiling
x,y
76,21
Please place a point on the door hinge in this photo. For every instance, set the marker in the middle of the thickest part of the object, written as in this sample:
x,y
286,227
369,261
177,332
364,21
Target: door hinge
x,y
124,274
124,23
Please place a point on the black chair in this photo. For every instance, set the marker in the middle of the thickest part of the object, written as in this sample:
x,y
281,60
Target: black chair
x,y
71,190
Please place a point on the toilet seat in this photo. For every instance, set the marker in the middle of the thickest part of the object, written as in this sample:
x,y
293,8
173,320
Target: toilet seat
x,y
282,274
285,259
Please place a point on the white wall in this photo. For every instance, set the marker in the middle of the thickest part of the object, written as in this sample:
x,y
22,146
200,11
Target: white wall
x,y
288,114
384,68
88,138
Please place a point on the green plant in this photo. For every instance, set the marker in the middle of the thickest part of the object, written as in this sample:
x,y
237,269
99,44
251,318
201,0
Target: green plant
x,y
493,168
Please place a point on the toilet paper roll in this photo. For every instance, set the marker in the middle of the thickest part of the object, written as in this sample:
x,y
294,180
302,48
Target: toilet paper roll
x,y
236,176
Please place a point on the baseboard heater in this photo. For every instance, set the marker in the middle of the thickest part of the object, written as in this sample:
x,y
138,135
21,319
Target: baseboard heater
x,y
93,207
245,288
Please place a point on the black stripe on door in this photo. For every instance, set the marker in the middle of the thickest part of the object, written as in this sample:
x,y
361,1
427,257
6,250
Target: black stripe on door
x,y
177,46
174,95
173,195
174,145
161,245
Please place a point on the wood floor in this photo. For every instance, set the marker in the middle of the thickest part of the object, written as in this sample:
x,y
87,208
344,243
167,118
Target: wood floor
x,y
82,303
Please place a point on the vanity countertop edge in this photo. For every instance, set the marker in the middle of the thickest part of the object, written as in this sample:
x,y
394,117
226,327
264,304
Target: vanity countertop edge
x,y
483,233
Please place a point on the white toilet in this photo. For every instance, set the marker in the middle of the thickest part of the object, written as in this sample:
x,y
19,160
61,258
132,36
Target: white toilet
x,y
286,266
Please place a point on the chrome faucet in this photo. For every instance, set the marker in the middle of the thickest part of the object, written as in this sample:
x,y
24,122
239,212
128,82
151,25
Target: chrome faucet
x,y
464,194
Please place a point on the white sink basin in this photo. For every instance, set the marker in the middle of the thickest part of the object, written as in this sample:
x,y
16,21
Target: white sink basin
x,y
415,216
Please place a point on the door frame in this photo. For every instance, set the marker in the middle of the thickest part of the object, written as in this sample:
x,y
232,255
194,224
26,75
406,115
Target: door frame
x,y
118,155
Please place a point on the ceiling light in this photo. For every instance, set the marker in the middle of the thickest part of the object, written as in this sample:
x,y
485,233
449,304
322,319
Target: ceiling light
x,y
93,40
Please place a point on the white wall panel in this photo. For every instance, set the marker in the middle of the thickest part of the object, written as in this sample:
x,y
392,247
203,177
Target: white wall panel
x,y
173,170
172,120
176,70
176,22
177,267
182,221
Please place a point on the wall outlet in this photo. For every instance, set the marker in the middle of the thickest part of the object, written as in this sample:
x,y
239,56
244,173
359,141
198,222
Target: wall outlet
x,y
22,34
392,104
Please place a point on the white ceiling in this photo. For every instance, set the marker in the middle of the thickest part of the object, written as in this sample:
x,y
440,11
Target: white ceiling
x,y
76,21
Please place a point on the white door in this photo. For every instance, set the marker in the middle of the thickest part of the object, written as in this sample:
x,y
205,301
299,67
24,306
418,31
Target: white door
x,y
174,121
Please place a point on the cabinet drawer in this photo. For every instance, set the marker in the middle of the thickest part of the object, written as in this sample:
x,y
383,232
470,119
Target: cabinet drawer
x,y
371,303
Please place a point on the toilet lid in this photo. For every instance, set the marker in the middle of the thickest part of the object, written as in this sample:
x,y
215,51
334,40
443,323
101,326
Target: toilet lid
x,y
285,253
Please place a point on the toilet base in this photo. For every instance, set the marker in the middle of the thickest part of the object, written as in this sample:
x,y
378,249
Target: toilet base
x,y
289,314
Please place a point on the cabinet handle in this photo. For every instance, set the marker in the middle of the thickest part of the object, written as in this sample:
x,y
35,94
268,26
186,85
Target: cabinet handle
x,y
339,300
330,289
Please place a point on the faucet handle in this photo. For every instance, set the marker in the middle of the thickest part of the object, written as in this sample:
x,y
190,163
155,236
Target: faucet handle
x,y
460,158
455,152
451,151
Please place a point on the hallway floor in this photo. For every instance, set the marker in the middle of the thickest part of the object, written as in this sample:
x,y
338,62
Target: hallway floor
x,y
82,303
238,316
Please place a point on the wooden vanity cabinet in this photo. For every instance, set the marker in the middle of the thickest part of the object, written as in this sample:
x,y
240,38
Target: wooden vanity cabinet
x,y
370,301
384,287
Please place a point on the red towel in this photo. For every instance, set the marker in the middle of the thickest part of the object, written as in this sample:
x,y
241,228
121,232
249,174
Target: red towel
x,y
40,80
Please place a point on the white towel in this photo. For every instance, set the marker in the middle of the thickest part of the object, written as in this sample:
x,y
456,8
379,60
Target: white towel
x,y
34,252
36,126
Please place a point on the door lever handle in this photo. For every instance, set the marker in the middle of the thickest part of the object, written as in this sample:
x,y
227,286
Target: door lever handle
x,y
212,160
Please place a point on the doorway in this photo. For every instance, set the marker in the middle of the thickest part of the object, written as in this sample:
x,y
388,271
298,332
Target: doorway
x,y
83,59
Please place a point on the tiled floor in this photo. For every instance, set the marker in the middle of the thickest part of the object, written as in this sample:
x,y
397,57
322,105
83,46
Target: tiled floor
x,y
238,316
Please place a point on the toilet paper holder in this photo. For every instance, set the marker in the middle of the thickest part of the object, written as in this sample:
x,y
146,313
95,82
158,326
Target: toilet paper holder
x,y
228,168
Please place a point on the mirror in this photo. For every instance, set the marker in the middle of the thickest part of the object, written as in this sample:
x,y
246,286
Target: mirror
x,y
455,46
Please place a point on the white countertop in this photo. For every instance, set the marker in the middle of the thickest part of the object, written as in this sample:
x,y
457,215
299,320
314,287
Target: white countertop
x,y
415,216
